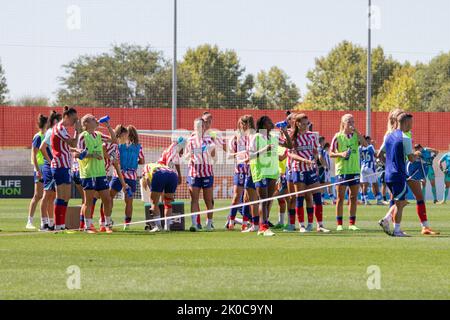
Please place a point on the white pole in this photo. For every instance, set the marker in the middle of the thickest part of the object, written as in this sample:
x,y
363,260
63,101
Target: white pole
x,y
174,70
369,74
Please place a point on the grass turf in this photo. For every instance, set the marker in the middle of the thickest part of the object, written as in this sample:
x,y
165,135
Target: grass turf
x,y
224,264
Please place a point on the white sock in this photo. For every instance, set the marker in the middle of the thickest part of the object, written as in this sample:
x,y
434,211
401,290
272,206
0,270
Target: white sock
x,y
30,220
88,223
157,223
194,219
425,224
51,222
108,221
209,222
238,220
44,221
281,218
396,227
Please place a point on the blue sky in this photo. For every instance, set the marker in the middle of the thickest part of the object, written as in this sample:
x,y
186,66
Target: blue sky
x,y
35,40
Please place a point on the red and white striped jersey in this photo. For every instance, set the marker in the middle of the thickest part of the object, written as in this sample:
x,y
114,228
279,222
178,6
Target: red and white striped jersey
x,y
200,162
240,143
113,151
130,174
62,158
170,157
305,146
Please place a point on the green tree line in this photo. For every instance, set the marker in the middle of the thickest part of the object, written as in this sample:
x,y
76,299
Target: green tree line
x,y
141,77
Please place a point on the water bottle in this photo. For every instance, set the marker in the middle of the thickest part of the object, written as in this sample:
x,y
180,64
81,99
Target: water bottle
x,y
83,154
103,119
349,152
281,124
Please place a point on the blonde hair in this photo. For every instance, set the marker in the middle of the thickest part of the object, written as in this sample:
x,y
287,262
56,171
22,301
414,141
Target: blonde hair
x,y
392,120
85,119
344,119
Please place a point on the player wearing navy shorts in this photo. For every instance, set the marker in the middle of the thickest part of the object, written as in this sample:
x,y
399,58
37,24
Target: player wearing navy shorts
x,y
62,162
47,203
305,175
398,147
131,156
162,181
344,148
238,151
92,170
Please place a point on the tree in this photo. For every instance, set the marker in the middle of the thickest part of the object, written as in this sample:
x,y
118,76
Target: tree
x,y
274,90
338,80
32,101
433,81
129,76
3,86
399,91
211,78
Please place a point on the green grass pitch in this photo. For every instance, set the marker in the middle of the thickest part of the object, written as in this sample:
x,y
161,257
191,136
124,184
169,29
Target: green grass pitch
x,y
224,264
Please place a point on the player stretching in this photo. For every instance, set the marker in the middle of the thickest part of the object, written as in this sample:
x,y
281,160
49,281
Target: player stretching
x,y
201,151
131,156
368,170
344,148
61,164
304,155
162,181
37,160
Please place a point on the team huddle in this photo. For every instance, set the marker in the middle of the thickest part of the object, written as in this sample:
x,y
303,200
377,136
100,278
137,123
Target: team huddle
x,y
270,160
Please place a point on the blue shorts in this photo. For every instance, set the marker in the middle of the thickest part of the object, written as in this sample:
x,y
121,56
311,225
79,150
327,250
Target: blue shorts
x,y
41,180
398,190
117,186
415,171
97,184
249,184
344,177
283,184
62,176
49,182
322,175
307,177
239,179
76,177
164,181
289,177
202,183
263,183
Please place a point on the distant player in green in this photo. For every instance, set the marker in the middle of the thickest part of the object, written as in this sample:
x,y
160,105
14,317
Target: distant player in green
x,y
446,170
